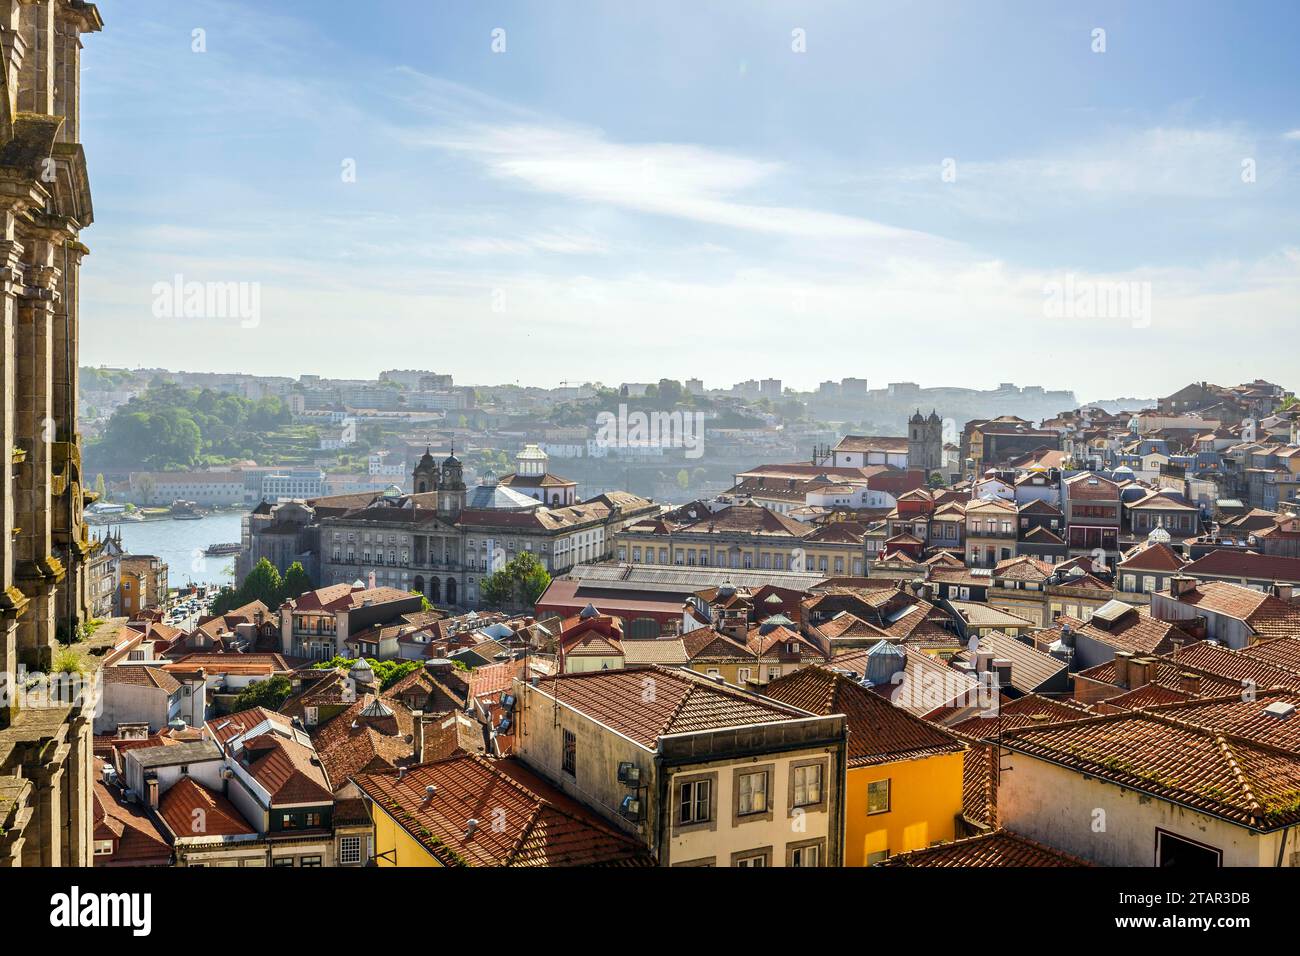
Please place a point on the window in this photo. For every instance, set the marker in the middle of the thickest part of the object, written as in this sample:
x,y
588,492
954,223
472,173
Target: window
x,y
309,861
693,801
742,674
282,861
807,785
569,761
752,793
810,855
878,796
880,856
1176,851
751,858
350,849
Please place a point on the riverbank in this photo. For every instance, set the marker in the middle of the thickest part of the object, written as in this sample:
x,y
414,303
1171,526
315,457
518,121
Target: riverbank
x,y
183,543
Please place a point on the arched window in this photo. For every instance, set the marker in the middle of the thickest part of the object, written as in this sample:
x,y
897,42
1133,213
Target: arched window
x,y
435,590
451,590
419,583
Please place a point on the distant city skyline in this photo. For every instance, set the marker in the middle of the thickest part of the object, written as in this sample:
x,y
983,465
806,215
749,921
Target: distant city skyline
x,y
709,385
1091,197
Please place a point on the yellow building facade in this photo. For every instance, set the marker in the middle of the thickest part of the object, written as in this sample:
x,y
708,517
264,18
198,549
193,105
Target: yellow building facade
x,y
924,801
903,785
393,845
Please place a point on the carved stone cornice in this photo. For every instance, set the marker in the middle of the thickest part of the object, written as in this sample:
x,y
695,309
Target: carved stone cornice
x,y
12,603
42,572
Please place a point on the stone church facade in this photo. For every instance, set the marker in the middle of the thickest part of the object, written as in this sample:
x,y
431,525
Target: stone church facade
x,y
925,442
46,758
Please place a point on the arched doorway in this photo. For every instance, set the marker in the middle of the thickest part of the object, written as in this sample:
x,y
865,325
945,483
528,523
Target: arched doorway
x,y
451,590
435,590
419,583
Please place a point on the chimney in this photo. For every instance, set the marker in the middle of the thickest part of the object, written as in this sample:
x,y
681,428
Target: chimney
x,y
151,792
417,720
1180,584
1282,591
1190,683
1141,671
983,661
1123,666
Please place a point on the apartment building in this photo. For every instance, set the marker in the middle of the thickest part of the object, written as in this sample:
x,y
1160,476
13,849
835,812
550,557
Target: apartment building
x,y
1092,515
746,537
903,787
1181,785
319,624
143,582
700,772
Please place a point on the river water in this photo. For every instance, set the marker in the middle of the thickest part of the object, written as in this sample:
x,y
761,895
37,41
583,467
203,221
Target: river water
x,y
181,544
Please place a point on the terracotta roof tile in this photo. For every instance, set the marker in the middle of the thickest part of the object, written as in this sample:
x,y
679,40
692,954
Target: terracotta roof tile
x,y
879,732
217,816
1226,776
996,848
141,675
535,824
682,702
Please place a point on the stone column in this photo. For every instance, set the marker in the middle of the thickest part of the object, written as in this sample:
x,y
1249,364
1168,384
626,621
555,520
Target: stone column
x,y
80,772
35,85
12,600
67,72
38,571
71,541
44,846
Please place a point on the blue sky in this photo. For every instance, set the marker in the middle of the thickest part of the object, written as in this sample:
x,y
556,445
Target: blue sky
x,y
633,190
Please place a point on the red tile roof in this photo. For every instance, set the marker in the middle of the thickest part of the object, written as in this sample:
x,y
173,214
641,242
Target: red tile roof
x,y
1229,777
1031,710
996,848
522,820
1267,615
679,701
286,768
1245,564
215,816
138,841
1136,630
142,676
879,732
1153,557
